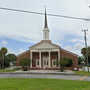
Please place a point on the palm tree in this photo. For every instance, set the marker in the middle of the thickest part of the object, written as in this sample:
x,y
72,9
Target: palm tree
x,y
83,51
0,59
3,52
86,52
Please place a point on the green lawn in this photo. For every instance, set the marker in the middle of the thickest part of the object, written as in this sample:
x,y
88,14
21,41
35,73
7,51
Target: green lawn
x,y
43,84
4,70
82,73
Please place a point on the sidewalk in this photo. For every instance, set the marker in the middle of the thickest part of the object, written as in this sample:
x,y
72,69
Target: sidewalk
x,y
67,72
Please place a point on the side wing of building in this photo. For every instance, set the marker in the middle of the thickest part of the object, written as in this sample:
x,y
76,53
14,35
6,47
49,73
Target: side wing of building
x,y
23,55
68,54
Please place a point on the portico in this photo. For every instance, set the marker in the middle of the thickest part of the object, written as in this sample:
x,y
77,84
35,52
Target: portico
x,y
45,59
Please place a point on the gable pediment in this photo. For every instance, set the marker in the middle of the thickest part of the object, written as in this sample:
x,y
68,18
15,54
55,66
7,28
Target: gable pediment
x,y
44,45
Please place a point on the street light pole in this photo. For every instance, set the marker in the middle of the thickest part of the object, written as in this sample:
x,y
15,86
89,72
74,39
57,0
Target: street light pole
x,y
85,39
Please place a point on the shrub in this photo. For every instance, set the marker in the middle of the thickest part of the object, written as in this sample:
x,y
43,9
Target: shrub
x,y
65,62
25,62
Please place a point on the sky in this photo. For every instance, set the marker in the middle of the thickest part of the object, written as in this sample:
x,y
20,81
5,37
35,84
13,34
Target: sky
x,y
19,31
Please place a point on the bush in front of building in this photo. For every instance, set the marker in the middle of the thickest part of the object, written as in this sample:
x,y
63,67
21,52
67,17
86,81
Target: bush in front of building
x,y
25,63
65,62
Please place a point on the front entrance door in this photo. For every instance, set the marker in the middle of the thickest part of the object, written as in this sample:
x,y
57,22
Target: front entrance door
x,y
45,62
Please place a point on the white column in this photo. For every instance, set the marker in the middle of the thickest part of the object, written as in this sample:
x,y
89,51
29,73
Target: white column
x,y
49,60
40,59
58,58
31,60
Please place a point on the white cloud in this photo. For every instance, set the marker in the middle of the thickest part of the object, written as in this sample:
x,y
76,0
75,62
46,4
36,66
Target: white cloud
x,y
10,50
69,48
76,40
21,50
75,48
4,43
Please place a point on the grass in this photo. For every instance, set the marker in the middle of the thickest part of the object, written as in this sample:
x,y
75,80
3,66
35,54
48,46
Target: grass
x,y
42,84
4,70
82,73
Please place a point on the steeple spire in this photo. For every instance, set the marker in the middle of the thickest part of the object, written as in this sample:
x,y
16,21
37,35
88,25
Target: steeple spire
x,y
46,25
45,30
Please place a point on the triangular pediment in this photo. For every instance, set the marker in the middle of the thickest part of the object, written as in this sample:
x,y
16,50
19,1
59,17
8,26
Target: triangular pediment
x,y
45,45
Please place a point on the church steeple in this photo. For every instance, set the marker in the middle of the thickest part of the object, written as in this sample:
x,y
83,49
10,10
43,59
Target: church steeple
x,y
46,30
46,25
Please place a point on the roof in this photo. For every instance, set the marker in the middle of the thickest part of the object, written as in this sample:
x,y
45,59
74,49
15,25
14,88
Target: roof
x,y
27,51
69,52
45,41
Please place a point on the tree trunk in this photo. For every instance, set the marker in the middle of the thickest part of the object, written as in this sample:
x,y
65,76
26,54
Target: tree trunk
x,y
3,61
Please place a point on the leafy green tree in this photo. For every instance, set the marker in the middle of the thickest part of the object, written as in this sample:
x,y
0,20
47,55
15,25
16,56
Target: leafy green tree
x,y
25,63
11,58
65,62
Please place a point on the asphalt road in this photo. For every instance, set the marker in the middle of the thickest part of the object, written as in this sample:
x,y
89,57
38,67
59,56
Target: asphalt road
x,y
67,77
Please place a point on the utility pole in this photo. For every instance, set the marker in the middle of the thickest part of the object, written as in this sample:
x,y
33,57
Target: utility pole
x,y
85,39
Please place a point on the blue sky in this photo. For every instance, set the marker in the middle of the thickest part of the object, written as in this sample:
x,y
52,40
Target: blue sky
x,y
14,46
18,31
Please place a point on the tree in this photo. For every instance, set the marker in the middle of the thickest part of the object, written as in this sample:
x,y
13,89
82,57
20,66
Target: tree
x,y
1,62
85,52
65,62
6,62
11,58
6,59
81,60
3,52
25,63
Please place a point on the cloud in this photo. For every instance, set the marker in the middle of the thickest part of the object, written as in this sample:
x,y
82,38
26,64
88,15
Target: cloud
x,y
76,48
11,51
76,40
21,50
4,43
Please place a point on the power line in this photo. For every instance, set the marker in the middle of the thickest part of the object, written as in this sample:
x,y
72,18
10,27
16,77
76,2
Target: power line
x,y
24,11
